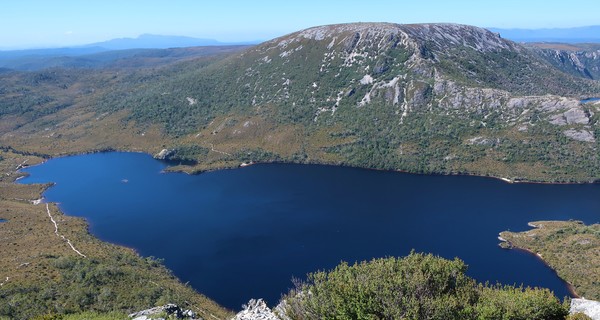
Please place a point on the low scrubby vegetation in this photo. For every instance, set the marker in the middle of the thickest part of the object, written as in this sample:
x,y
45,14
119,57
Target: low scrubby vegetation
x,y
569,247
418,286
41,276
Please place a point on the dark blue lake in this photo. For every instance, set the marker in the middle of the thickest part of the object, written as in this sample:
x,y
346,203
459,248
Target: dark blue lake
x,y
241,234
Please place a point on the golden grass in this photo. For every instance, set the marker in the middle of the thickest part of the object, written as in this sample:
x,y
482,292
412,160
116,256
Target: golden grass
x,y
30,248
569,247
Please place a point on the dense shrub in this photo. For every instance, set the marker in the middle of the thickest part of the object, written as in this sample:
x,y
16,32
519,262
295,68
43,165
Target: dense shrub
x,y
415,287
507,302
121,283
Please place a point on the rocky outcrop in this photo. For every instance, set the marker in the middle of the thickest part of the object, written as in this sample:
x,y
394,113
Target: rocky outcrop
x,y
590,308
392,64
256,310
578,61
574,115
164,154
483,141
167,311
580,135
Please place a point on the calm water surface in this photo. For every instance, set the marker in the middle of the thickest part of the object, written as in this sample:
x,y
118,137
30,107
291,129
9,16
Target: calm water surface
x,y
589,100
241,234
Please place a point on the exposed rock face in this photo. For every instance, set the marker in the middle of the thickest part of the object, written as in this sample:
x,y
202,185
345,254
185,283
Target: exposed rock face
x,y
256,310
582,62
580,135
483,141
164,154
392,65
589,307
574,115
168,310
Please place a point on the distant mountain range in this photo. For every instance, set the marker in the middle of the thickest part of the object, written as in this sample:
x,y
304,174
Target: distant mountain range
x,y
99,54
589,34
152,41
144,41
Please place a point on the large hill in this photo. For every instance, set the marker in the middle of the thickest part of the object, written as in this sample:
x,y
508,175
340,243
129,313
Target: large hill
x,y
434,98
423,98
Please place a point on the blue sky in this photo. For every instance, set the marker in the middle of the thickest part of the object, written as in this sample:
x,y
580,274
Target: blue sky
x,y
42,23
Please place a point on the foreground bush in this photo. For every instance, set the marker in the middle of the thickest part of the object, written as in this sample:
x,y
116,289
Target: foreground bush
x,y
89,315
507,302
415,287
121,282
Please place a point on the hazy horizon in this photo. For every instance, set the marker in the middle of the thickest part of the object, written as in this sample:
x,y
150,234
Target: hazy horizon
x,y
255,41
63,23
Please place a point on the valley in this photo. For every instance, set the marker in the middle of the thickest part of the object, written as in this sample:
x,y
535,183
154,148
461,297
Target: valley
x,y
409,98
231,224
421,98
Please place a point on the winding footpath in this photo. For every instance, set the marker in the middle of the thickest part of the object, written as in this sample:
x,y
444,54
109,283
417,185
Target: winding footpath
x,y
60,235
22,165
212,148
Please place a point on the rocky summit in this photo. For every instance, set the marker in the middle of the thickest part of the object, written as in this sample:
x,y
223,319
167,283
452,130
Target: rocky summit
x,y
380,95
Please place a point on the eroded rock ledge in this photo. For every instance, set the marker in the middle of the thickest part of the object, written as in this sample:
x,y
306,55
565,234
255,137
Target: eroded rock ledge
x,y
258,310
167,311
590,308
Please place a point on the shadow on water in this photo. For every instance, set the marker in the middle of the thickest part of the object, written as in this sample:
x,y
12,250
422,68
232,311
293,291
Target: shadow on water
x,y
178,162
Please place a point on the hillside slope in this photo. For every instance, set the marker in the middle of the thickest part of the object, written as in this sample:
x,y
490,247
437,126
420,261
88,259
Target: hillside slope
x,y
582,60
423,98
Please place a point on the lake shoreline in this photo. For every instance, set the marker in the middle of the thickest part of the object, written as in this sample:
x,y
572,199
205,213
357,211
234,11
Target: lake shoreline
x,y
570,287
193,170
184,169
433,173
23,211
238,164
538,256
321,164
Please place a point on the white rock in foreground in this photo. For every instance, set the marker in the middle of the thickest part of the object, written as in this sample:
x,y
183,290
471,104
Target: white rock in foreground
x,y
168,309
256,310
582,135
590,307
